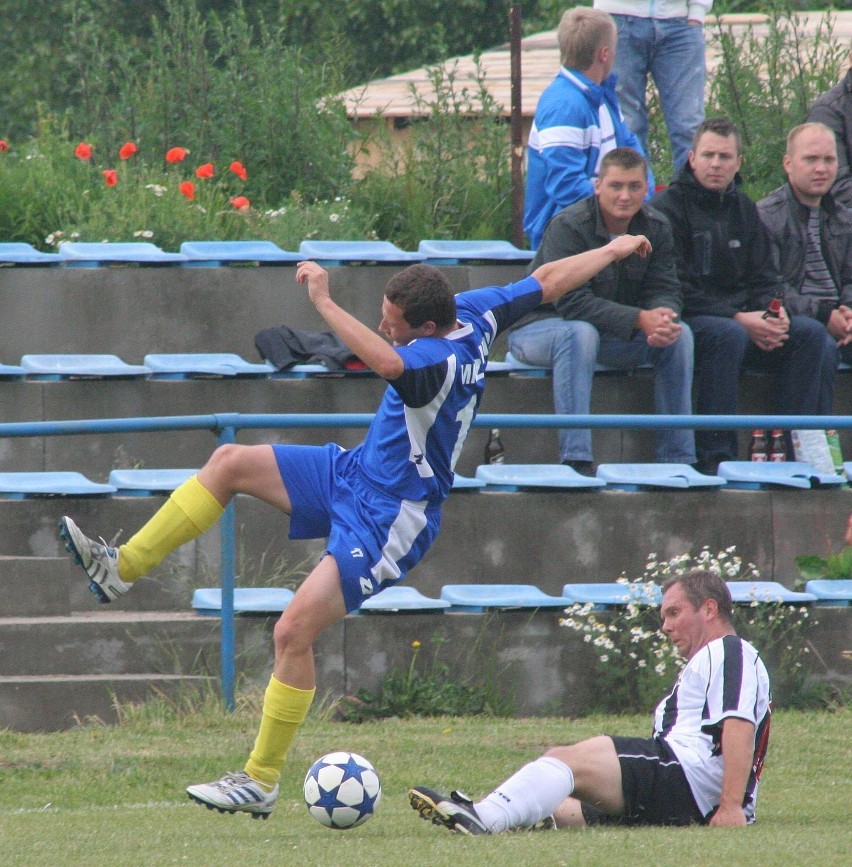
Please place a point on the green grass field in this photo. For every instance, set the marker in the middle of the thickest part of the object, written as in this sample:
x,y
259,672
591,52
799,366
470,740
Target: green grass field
x,y
101,795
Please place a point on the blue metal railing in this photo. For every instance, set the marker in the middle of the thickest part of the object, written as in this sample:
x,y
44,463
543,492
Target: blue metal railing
x,y
226,425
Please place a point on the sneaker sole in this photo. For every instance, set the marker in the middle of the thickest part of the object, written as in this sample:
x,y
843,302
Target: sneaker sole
x,y
253,813
432,812
94,588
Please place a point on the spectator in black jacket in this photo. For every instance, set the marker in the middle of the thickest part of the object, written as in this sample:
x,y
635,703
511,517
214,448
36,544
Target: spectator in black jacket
x,y
627,316
728,279
834,109
811,235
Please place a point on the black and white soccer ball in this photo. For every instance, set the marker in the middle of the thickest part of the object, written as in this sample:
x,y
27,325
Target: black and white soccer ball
x,y
342,790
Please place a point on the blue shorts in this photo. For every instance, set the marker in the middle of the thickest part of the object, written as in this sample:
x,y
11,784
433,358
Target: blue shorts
x,y
375,538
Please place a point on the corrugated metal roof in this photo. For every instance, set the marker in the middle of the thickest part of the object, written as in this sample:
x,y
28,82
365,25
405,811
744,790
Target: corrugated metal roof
x,y
392,97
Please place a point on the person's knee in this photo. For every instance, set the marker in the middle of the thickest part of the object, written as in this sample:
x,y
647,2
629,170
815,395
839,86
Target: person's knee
x,y
291,635
225,461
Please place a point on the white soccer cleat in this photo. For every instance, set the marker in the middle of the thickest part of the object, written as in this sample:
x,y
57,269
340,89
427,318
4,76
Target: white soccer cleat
x,y
235,793
99,561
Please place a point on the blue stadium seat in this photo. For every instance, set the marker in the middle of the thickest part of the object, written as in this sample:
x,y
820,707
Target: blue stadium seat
x,y
520,368
80,366
408,599
247,600
340,252
478,597
17,253
91,255
195,365
609,594
831,591
455,252
11,371
215,253
635,477
146,483
20,486
754,475
765,591
465,483
518,477
306,371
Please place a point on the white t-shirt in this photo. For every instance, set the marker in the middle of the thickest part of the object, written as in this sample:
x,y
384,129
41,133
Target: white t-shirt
x,y
726,678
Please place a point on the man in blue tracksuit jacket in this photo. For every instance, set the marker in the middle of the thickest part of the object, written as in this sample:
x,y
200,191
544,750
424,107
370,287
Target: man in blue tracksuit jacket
x,y
577,121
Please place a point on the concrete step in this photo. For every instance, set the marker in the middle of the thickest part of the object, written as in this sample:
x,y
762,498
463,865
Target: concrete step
x,y
120,643
38,586
54,702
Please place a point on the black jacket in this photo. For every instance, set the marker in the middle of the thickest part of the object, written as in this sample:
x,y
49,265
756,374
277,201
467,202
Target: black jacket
x,y
786,221
612,299
724,259
834,109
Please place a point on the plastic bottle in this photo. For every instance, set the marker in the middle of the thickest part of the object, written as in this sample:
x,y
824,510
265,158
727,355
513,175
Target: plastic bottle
x,y
778,449
774,309
494,451
758,451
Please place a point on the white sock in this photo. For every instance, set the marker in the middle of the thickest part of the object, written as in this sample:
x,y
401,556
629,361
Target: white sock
x,y
527,797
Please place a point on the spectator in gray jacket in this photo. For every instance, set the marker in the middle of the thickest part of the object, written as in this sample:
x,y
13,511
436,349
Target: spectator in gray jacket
x,y
627,316
811,235
834,109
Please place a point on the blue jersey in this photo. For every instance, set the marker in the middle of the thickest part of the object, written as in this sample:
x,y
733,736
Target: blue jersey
x,y
421,424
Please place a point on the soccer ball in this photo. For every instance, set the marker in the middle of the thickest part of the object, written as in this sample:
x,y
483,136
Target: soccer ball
x,y
342,790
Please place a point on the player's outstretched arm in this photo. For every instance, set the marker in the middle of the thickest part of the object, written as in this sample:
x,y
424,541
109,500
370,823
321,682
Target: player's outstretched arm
x,y
563,275
372,349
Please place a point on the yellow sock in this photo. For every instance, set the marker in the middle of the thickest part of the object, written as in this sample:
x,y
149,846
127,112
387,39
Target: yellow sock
x,y
284,710
188,512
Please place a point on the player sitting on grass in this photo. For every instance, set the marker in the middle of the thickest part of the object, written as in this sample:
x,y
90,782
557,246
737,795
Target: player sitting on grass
x,y
701,766
379,504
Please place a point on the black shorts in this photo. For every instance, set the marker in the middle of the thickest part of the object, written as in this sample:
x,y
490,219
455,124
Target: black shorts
x,y
656,791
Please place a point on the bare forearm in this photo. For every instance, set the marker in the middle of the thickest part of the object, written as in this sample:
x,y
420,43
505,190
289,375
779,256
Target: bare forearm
x,y
738,755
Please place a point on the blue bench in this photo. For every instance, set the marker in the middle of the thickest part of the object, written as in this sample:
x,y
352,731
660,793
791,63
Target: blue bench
x,y
247,600
765,591
635,477
18,253
80,366
831,591
519,477
23,485
607,595
402,599
217,253
439,252
754,475
11,371
200,365
147,483
478,597
341,252
93,254
465,483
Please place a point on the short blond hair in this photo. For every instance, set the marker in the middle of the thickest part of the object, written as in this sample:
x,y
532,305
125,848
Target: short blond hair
x,y
582,31
813,126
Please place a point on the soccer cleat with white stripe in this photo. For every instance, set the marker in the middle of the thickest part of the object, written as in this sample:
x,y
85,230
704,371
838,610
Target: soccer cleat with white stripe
x,y
99,561
455,812
235,793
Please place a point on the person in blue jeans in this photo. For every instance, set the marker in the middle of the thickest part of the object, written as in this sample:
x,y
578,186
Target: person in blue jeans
x,y
663,38
726,270
625,317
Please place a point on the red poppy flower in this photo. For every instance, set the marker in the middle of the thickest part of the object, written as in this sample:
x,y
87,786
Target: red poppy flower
x,y
187,188
239,170
127,150
83,151
176,155
4,145
111,177
205,171
240,203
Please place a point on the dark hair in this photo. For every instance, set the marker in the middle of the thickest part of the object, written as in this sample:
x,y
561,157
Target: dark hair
x,y
699,585
718,126
622,158
423,294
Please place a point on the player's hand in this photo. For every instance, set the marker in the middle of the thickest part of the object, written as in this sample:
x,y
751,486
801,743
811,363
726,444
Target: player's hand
x,y
625,245
317,279
726,817
660,326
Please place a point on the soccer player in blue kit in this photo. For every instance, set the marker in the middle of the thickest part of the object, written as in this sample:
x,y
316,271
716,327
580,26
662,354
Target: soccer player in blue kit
x,y
378,503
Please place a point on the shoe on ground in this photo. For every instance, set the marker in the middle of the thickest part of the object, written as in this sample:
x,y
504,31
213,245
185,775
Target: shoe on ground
x,y
455,812
99,561
235,793
584,468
